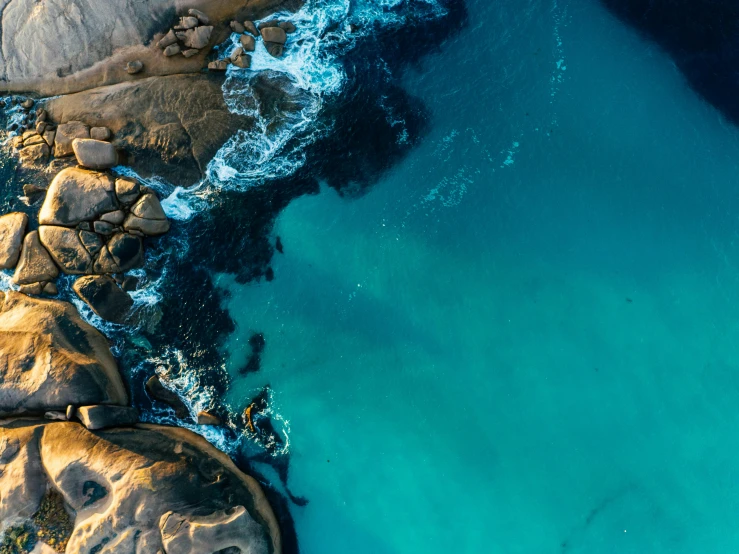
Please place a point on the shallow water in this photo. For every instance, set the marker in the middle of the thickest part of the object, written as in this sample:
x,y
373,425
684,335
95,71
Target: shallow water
x,y
523,338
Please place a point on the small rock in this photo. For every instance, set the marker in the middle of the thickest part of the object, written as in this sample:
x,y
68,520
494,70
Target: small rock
x,y
103,227
35,264
251,28
168,40
198,37
237,27
287,26
238,51
12,229
190,52
93,242
204,19
49,136
218,65
100,133
16,142
116,217
134,67
84,226
127,190
34,288
156,390
189,22
95,154
27,104
248,43
55,416
130,283
33,139
50,289
38,153
269,23
274,34
33,192
171,50
243,61
104,297
206,418
65,135
103,416
71,412
41,127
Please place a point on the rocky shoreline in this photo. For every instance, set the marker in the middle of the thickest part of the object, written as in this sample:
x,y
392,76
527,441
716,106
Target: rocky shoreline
x,y
78,472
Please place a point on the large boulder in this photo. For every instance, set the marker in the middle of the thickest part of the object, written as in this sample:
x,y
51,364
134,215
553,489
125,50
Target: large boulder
x,y
274,34
35,264
95,154
51,358
104,297
77,195
146,489
66,248
12,229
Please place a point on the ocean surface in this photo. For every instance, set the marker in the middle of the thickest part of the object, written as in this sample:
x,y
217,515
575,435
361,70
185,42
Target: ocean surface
x,y
489,272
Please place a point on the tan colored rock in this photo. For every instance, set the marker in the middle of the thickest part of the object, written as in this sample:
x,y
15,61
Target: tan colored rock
x,y
198,37
52,358
35,264
127,190
166,489
92,242
12,229
50,136
65,135
237,52
50,289
36,154
243,61
147,217
104,297
95,154
206,418
251,28
218,65
66,248
189,53
77,195
237,27
172,50
274,34
248,43
167,40
34,289
99,133
34,138
204,19
116,217
105,417
189,22
134,67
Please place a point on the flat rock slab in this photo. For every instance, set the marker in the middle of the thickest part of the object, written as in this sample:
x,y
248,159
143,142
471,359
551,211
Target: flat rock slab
x,y
77,195
103,416
12,229
52,358
95,154
104,297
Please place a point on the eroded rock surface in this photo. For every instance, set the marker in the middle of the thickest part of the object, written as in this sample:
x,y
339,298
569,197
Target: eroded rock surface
x,y
141,490
50,358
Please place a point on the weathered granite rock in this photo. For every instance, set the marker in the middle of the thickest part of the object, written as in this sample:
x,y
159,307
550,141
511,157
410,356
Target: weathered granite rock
x,y
33,192
65,135
12,229
103,227
147,217
95,154
206,418
77,195
158,391
243,61
189,22
237,27
190,52
34,289
115,218
145,489
50,137
248,43
204,19
35,264
50,289
35,154
171,50
127,190
99,133
251,28
92,242
66,248
198,37
104,417
218,65
167,40
52,358
126,251
274,34
237,52
275,49
104,297
134,67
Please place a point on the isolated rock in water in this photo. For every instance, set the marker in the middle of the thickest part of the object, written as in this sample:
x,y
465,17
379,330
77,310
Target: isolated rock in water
x,y
104,297
198,37
275,50
65,135
134,67
158,391
171,50
12,229
248,43
51,359
99,133
147,489
206,418
237,52
66,248
35,154
251,28
167,40
274,34
237,27
95,154
35,264
103,417
204,19
77,195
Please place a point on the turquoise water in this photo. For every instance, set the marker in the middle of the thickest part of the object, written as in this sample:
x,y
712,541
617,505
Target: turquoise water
x,y
524,338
